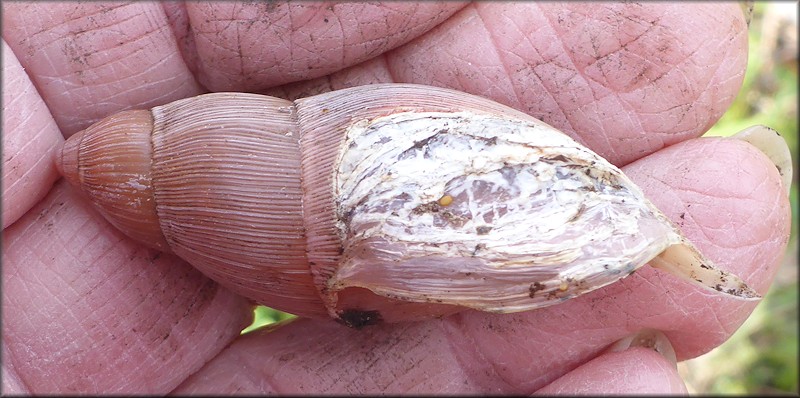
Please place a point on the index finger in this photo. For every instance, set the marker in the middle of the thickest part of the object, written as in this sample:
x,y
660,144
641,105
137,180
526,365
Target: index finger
x,y
625,80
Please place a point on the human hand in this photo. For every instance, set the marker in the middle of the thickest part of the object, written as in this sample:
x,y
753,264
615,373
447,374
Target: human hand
x,y
86,310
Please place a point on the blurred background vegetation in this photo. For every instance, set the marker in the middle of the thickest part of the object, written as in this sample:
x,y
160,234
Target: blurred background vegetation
x,y
762,356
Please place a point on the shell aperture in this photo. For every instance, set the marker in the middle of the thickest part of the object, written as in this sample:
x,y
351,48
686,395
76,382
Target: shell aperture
x,y
494,213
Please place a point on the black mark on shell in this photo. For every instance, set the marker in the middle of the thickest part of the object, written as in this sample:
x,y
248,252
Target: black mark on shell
x,y
432,207
578,213
478,248
535,287
421,145
424,142
442,215
357,319
559,158
483,230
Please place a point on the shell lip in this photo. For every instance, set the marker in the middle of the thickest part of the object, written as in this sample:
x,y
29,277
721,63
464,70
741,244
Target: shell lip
x,y
391,195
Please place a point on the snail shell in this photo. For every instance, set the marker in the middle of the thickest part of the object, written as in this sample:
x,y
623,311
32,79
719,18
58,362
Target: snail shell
x,y
383,202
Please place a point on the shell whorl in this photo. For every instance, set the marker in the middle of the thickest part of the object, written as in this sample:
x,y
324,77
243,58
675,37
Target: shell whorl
x,y
111,162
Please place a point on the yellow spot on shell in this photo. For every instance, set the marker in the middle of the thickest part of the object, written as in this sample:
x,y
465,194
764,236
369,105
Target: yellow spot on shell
x,y
445,200
563,286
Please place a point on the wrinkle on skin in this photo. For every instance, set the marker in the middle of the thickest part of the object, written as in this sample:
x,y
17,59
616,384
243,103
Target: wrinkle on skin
x,y
516,101
488,377
477,69
374,71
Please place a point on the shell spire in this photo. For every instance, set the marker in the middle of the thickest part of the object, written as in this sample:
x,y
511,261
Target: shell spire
x,y
111,162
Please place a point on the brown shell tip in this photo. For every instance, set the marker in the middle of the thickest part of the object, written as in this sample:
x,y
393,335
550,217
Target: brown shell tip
x,y
110,163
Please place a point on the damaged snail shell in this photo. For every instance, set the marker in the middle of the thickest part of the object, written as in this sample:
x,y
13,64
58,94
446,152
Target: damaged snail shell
x,y
377,203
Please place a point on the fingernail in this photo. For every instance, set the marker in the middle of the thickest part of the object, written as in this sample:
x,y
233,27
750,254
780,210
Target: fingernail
x,y
769,142
647,338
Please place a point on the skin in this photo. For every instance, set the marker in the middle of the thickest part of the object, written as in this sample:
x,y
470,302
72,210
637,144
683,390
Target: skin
x,y
85,310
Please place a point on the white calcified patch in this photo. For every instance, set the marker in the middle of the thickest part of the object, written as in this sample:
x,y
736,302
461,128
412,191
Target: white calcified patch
x,y
490,213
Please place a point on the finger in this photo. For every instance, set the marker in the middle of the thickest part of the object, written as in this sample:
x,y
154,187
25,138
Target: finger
x,y
624,79
409,358
634,372
323,357
86,311
11,384
91,59
519,353
242,46
30,137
